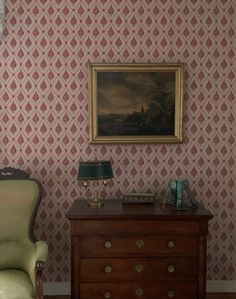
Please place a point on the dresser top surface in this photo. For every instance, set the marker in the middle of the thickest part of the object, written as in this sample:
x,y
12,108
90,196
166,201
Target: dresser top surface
x,y
114,209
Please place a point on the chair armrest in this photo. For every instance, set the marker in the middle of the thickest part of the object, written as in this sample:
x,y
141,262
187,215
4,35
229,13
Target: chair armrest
x,y
41,251
33,262
41,256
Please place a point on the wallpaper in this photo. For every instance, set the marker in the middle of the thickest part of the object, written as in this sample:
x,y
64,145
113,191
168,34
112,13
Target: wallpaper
x,y
1,17
44,58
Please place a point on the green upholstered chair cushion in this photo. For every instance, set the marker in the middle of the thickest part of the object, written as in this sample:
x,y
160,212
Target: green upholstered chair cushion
x,y
15,284
18,199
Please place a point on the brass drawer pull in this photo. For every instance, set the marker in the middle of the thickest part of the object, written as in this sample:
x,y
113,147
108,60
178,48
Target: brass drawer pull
x,y
107,295
171,268
139,268
171,244
139,292
140,243
170,294
108,269
107,244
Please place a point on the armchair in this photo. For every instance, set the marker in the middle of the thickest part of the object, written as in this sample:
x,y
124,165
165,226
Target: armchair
x,y
21,256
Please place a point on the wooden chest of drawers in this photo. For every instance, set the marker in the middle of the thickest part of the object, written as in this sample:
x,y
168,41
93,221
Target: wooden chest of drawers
x,y
145,252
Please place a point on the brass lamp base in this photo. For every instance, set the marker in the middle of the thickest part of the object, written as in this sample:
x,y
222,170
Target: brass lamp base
x,y
95,203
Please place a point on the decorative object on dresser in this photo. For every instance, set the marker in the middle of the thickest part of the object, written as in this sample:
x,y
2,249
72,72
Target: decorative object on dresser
x,y
136,103
95,171
180,195
139,198
138,251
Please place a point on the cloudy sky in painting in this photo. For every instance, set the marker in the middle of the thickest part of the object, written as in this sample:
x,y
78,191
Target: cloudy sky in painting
x,y
126,92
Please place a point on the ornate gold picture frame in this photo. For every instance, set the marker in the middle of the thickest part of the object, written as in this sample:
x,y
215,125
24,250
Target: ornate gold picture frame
x,y
136,103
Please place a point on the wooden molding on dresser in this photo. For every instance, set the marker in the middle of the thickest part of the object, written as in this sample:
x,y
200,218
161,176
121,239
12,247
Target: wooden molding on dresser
x,y
134,251
209,296
63,288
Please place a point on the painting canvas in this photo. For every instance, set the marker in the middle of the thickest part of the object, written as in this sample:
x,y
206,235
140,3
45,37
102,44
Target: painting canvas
x,y
136,103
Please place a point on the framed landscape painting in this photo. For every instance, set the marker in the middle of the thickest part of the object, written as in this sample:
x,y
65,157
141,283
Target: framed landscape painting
x,y
136,103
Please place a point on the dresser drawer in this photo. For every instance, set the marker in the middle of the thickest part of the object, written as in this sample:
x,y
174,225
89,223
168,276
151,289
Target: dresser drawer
x,y
130,246
138,269
142,290
141,227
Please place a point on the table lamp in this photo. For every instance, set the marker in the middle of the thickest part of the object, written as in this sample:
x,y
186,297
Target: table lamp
x,y
95,171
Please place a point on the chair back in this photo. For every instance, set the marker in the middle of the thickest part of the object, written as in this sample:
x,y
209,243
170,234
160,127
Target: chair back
x,y
19,200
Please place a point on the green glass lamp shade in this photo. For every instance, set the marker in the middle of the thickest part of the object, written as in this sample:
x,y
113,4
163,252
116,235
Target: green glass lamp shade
x,y
95,170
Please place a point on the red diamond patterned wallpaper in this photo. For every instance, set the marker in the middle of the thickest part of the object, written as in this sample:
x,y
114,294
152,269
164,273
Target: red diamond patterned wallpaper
x,y
44,107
